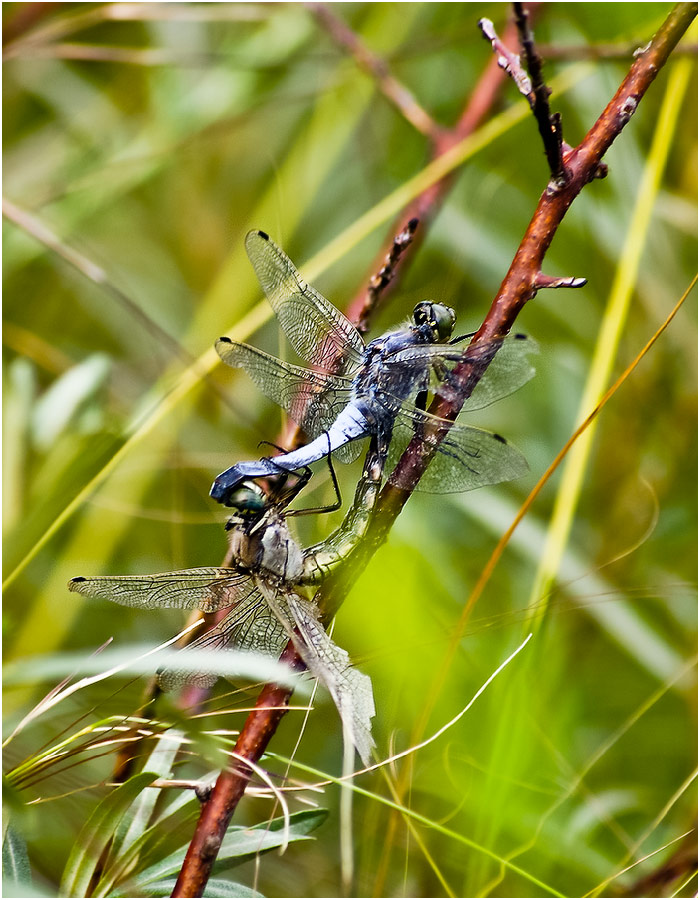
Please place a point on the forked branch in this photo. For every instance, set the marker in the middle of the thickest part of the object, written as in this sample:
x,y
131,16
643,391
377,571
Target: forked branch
x,y
522,281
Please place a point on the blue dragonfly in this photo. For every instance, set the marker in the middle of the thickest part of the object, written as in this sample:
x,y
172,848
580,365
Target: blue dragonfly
x,y
354,390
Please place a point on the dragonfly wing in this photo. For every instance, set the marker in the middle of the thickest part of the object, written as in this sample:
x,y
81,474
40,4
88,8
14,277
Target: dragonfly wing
x,y
508,371
350,689
249,626
207,589
468,458
312,399
318,331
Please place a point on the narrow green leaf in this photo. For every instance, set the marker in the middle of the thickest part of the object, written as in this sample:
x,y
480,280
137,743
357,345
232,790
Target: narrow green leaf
x,y
241,844
61,403
133,830
216,887
15,861
96,834
161,761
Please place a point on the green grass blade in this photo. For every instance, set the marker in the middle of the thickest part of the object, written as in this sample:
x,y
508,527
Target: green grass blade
x,y
96,834
610,333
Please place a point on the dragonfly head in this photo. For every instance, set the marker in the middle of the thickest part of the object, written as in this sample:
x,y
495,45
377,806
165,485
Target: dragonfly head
x,y
248,500
436,318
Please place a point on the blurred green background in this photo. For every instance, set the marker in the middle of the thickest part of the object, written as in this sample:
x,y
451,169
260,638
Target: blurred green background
x,y
149,138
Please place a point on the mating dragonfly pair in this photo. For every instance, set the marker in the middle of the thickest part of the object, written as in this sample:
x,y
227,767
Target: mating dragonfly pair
x,y
354,391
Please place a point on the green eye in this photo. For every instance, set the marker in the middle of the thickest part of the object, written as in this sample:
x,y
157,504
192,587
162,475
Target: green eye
x,y
441,318
444,320
421,312
249,498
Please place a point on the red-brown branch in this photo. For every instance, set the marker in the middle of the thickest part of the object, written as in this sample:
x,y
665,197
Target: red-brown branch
x,y
520,284
217,812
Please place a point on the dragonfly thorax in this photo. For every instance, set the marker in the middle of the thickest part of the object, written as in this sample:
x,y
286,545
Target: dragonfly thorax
x,y
265,545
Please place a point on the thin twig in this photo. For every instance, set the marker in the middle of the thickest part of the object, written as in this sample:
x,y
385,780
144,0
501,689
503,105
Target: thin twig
x,y
602,52
532,87
39,230
509,62
549,123
393,90
128,56
380,281
23,38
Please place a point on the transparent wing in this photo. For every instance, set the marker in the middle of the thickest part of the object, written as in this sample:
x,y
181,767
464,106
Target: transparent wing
x,y
249,626
318,331
509,370
468,458
314,400
350,689
207,589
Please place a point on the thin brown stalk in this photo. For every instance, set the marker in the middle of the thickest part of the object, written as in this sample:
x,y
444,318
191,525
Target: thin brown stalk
x,y
397,94
40,231
381,280
603,52
127,56
549,124
21,38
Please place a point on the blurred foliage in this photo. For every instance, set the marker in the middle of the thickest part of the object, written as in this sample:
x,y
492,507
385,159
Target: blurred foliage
x,y
149,138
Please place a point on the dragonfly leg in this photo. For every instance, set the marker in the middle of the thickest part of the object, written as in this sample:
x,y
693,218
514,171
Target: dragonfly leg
x,y
337,503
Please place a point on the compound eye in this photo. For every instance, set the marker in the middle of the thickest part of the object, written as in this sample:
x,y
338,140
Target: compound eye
x,y
422,312
443,320
248,498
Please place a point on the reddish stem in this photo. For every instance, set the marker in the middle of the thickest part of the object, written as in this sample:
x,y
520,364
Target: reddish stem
x,y
217,812
520,282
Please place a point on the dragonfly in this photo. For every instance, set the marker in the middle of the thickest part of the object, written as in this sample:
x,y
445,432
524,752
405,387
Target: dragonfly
x,y
355,390
264,590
